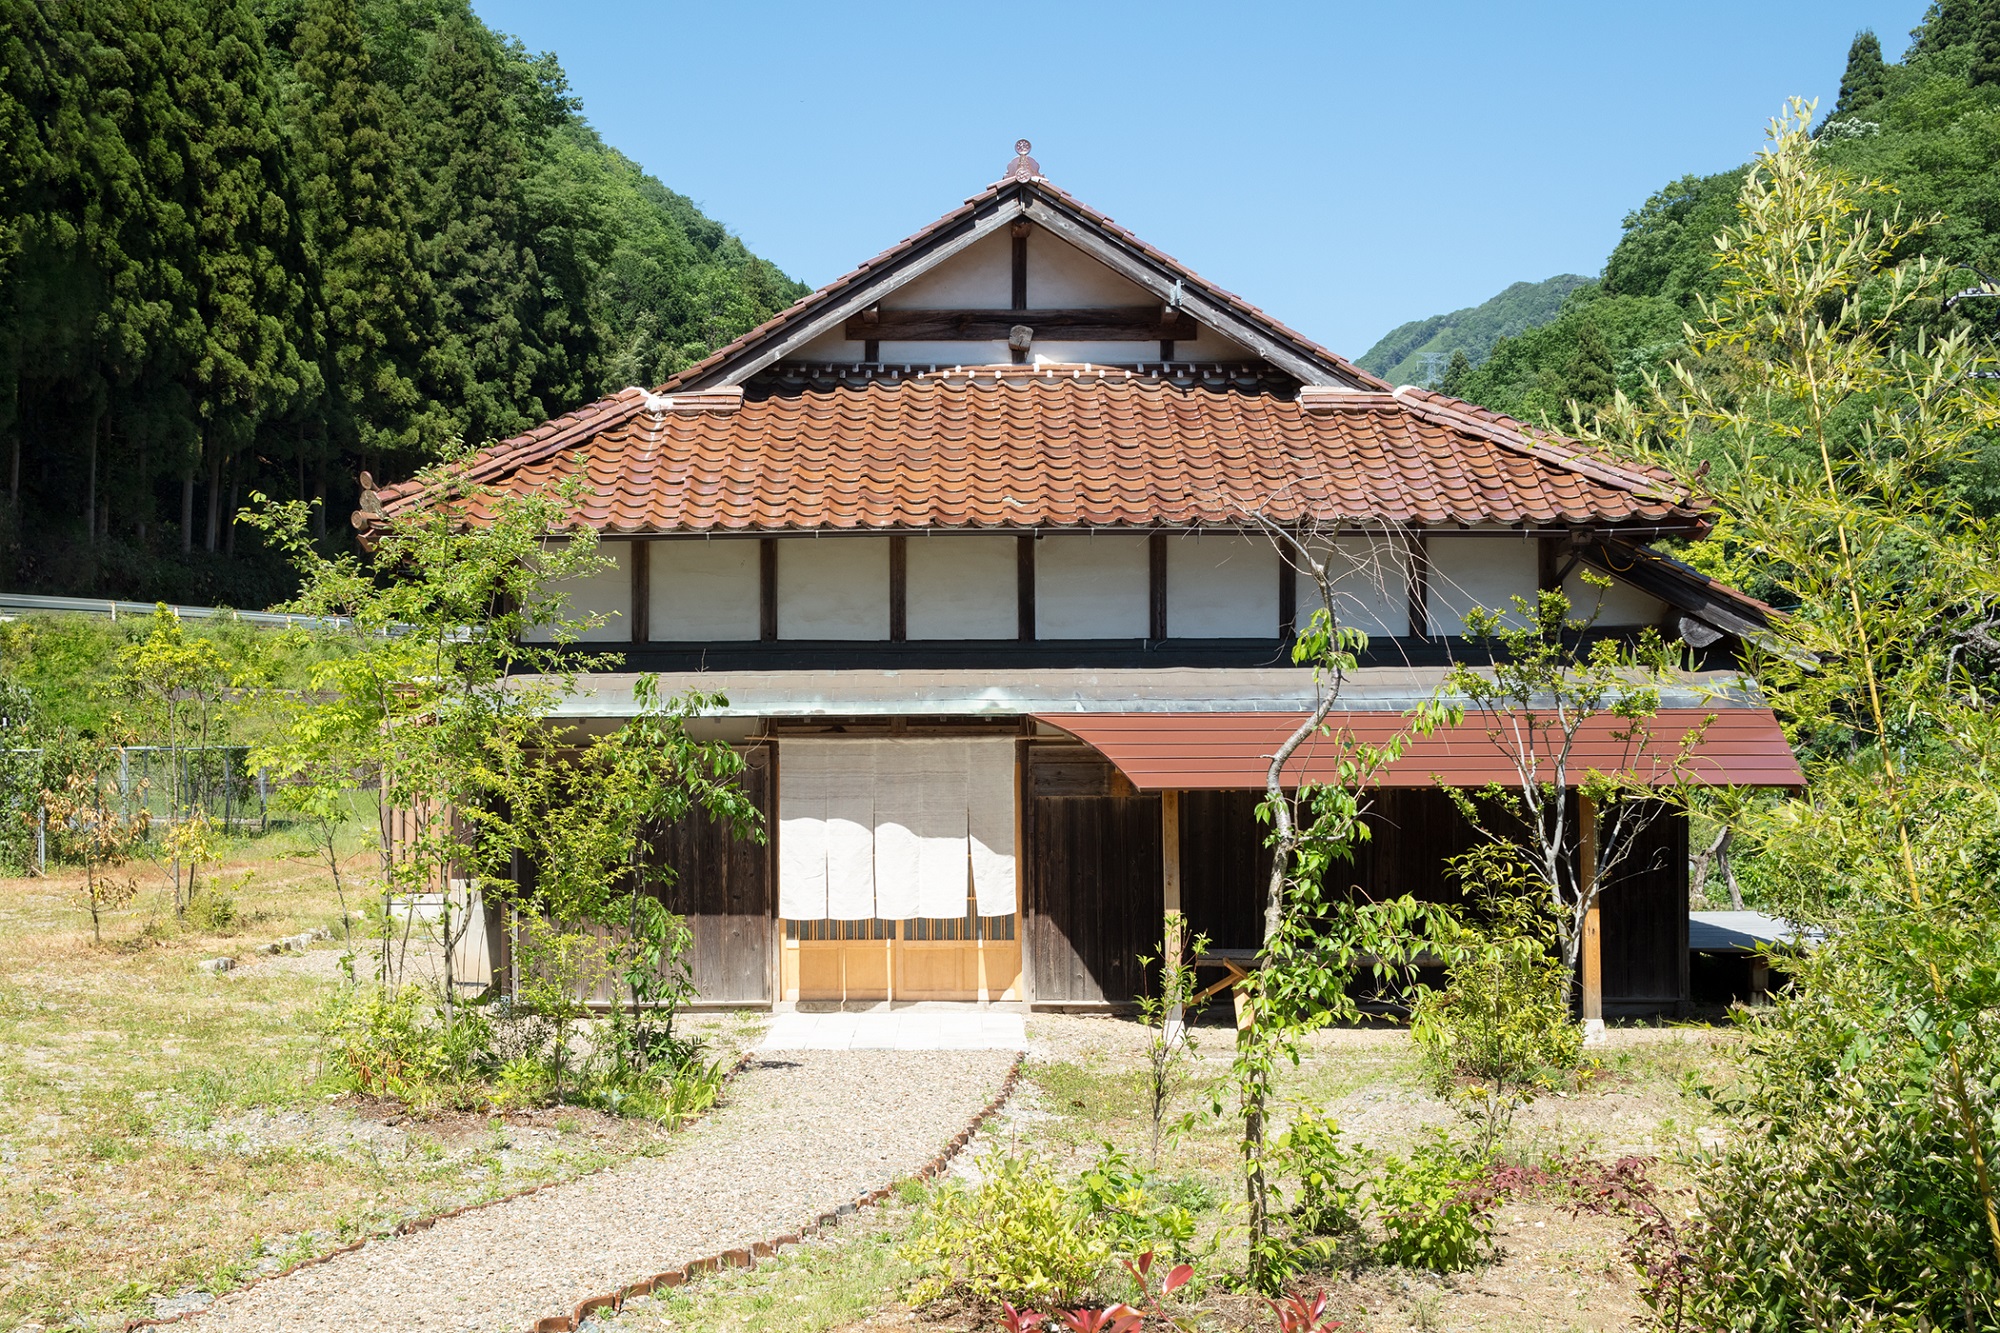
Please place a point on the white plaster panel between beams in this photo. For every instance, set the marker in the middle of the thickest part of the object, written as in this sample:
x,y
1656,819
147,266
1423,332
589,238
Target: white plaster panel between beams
x,y
1062,277
979,277
1481,571
1092,587
703,591
1624,606
945,354
833,587
1221,585
962,588
1371,585
606,594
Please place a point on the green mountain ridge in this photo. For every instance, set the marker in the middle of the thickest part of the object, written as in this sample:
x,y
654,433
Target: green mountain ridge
x,y
1926,127
1404,354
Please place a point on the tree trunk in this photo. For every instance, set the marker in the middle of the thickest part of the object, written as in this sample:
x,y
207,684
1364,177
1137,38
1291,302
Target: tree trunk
x,y
187,512
90,492
214,502
235,495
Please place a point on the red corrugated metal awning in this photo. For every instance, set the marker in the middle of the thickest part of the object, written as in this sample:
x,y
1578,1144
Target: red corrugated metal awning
x,y
1742,747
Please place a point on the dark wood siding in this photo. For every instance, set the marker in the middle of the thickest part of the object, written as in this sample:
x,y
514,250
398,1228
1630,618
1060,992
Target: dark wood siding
x,y
1092,857
1225,867
1412,833
1644,926
726,888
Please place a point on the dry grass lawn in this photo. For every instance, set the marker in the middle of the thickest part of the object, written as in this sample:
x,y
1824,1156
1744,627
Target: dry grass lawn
x,y
167,1130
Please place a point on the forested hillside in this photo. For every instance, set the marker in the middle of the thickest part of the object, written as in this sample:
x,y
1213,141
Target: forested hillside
x,y
1417,352
263,244
1927,125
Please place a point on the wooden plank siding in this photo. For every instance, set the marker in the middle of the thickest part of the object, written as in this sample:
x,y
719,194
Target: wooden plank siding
x,y
1092,895
727,889
1414,833
1225,867
1645,923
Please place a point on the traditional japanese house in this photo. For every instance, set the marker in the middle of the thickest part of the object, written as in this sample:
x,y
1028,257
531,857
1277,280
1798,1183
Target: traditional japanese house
x,y
965,538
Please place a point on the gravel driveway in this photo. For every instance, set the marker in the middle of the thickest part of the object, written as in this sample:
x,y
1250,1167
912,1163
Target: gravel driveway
x,y
800,1133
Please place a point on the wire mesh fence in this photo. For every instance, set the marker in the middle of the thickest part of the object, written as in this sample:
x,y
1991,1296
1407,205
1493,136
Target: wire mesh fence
x,y
166,783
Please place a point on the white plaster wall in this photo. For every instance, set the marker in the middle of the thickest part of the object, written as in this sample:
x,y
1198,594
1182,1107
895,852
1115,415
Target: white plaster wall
x,y
1221,585
702,591
1062,277
607,593
833,588
945,354
1480,571
1624,605
1092,587
979,277
833,345
962,588
1371,585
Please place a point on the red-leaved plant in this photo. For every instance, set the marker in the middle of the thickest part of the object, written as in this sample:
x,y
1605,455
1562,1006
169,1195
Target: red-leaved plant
x,y
1296,1314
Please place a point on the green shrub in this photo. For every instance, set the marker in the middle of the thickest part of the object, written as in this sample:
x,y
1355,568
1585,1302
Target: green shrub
x,y
1500,1030
1431,1216
212,909
1133,1210
395,1043
1021,1234
1329,1197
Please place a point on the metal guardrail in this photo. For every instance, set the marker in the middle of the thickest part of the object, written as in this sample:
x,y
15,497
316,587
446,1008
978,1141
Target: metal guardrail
x,y
22,602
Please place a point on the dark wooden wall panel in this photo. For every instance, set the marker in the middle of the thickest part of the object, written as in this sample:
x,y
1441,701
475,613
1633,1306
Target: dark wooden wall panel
x,y
1644,923
1413,832
727,889
1093,858
1225,867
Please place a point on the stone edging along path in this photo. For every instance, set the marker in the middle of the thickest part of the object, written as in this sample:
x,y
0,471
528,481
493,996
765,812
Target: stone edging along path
x,y
747,1258
411,1225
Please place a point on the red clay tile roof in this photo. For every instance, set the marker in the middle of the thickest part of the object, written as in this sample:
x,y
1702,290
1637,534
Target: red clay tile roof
x,y
705,370
1024,447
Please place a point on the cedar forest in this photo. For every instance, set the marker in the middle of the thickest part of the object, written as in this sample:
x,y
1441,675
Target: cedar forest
x,y
229,264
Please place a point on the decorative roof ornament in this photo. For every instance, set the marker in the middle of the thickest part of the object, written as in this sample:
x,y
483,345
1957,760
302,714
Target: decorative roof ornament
x,y
1023,167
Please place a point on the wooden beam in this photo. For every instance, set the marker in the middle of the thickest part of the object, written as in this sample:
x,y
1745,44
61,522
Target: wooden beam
x,y
899,584
1549,563
1024,566
1020,234
1112,324
642,591
1172,936
767,589
1420,587
1592,960
1288,597
1156,586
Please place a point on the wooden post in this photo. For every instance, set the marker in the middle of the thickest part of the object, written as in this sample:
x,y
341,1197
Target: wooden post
x,y
1172,938
1592,961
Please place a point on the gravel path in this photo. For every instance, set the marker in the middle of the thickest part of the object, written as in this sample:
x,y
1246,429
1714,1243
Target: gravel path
x,y
800,1133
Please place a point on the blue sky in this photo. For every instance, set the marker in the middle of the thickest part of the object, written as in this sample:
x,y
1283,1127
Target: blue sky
x,y
1345,166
